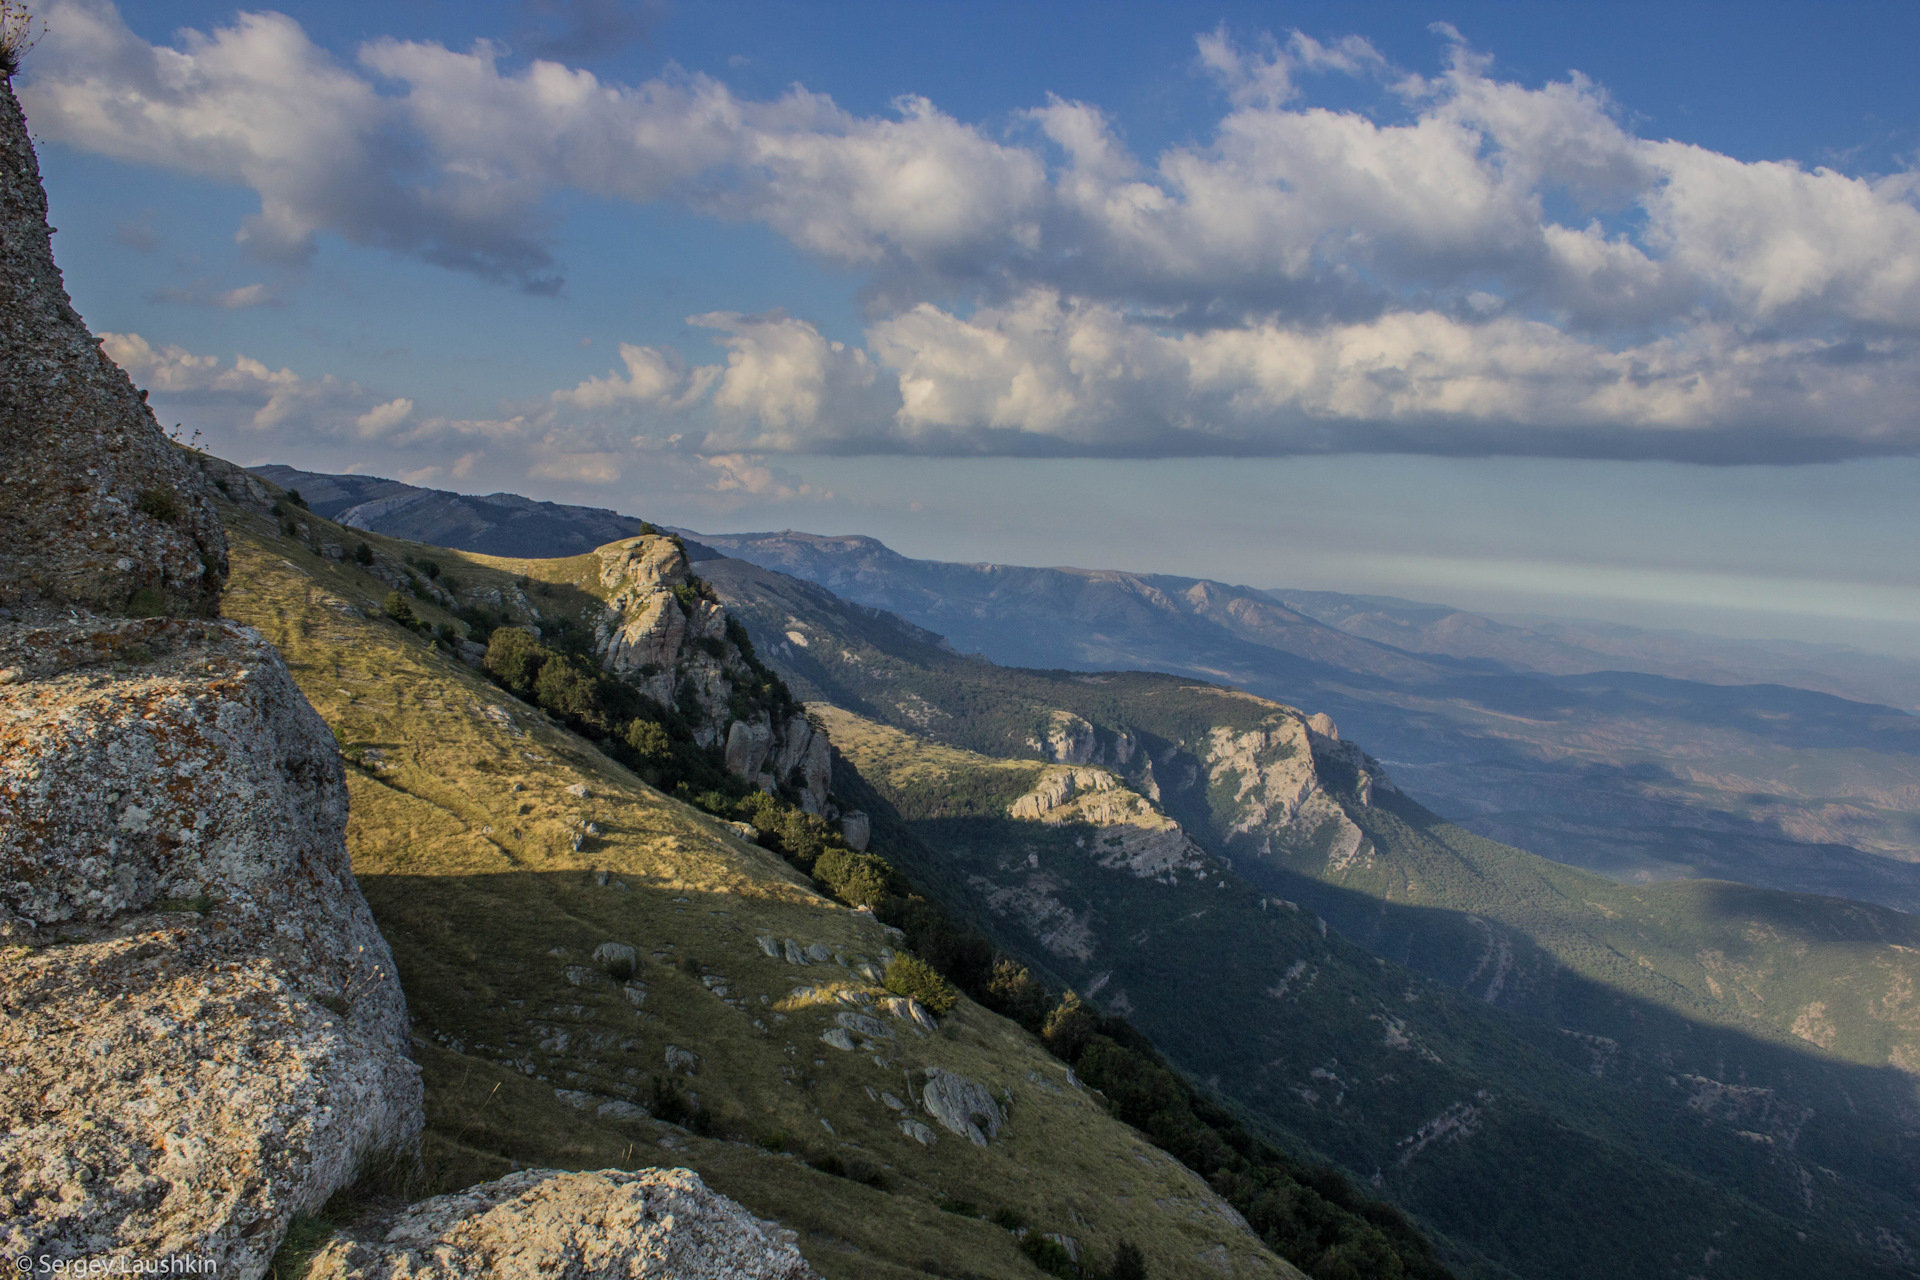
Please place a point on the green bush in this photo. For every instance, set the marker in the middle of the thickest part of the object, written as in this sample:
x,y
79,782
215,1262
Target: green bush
x,y
363,554
147,602
648,739
1049,1255
1128,1263
914,977
399,610
514,658
862,879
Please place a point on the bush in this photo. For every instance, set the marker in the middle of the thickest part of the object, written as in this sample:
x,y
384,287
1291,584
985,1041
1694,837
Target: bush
x,y
1049,1255
1069,1028
913,977
147,602
859,878
514,658
161,504
400,611
1128,1263
648,740
293,496
363,554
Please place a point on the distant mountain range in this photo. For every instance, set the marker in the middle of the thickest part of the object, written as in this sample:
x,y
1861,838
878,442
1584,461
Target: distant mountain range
x,y
1643,755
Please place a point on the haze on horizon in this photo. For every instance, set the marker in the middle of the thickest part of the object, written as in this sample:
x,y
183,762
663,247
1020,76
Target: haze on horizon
x,y
1482,304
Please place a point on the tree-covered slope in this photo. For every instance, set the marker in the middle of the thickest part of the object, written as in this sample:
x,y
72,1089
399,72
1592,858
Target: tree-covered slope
x,y
1623,1115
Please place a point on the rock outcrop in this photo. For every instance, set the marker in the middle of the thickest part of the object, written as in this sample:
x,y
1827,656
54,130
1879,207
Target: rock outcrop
x,y
200,1027
672,642
97,507
1129,832
542,1223
1285,778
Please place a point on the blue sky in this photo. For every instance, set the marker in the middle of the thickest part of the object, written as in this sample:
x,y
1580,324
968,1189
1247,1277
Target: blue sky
x,y
1610,309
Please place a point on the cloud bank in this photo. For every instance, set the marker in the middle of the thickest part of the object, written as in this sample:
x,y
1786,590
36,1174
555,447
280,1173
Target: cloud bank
x,y
1477,266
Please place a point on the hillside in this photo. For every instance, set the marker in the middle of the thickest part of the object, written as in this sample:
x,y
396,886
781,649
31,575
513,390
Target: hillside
x,y
1713,1102
500,852
1545,734
1641,777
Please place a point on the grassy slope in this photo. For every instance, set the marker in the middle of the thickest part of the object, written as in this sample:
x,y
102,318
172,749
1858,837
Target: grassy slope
x,y
462,840
1839,1174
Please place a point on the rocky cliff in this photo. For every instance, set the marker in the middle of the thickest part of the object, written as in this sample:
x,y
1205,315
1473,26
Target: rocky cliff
x,y
96,507
201,1027
667,635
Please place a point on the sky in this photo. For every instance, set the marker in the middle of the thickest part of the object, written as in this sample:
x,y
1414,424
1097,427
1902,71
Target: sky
x,y
1564,308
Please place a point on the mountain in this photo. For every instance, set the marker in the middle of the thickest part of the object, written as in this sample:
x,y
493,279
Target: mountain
x,y
1640,776
501,524
1712,1055
1581,646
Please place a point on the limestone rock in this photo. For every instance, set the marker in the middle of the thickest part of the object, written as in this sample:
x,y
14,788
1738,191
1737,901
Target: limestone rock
x,y
662,634
962,1106
203,1031
617,956
97,508
858,830
542,1223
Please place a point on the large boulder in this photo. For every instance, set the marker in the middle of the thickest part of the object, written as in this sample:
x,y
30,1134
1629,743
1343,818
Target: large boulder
x,y
202,1028
962,1106
97,507
543,1224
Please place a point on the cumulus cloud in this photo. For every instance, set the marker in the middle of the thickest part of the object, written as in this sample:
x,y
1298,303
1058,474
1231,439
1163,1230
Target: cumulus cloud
x,y
202,294
1474,264
244,394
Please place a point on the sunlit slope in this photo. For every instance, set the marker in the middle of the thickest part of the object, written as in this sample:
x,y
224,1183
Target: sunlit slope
x,y
471,838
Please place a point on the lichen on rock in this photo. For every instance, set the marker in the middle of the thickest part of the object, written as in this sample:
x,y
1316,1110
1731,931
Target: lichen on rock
x,y
540,1223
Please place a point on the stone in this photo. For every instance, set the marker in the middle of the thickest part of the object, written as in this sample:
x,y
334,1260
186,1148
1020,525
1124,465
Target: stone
x,y
748,742
857,828
654,1224
200,1012
793,953
819,954
617,956
97,507
863,1025
838,1038
682,1062
920,1133
768,946
962,1106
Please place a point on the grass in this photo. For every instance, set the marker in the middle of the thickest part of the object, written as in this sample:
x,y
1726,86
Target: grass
x,y
462,836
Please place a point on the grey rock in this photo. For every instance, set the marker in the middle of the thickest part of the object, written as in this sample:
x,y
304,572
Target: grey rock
x,y
862,1025
617,955
656,1224
838,1038
683,1062
768,946
962,1106
858,830
819,954
97,505
920,1133
793,953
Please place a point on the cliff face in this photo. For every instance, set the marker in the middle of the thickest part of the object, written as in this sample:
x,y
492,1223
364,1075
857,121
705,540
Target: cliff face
x,y
202,1029
96,507
672,642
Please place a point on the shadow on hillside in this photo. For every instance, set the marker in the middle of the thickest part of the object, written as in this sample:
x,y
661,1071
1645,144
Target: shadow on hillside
x,y
1613,1135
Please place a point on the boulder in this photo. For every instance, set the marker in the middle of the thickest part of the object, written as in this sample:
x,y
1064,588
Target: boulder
x,y
202,1029
540,1223
858,830
747,745
962,1106
97,507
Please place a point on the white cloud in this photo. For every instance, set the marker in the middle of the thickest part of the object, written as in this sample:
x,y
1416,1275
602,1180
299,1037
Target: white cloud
x,y
1476,264
244,395
383,418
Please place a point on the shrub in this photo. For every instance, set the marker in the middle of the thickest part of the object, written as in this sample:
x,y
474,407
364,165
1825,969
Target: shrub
x,y
514,658
161,504
363,554
648,740
293,496
859,878
912,977
147,602
1049,1255
399,610
16,37
1069,1028
1128,1263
